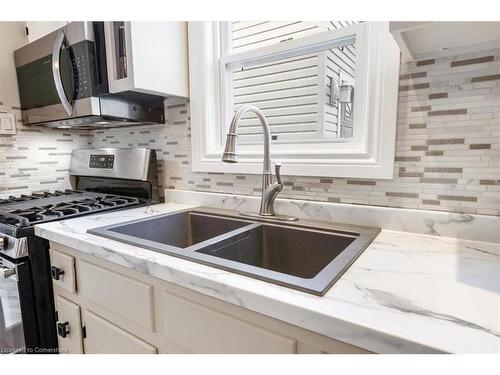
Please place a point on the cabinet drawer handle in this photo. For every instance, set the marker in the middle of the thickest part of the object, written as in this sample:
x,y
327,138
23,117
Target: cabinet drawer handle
x,y
63,329
56,272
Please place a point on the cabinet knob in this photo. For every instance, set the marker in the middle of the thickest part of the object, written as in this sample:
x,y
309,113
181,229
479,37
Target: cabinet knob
x,y
63,329
56,273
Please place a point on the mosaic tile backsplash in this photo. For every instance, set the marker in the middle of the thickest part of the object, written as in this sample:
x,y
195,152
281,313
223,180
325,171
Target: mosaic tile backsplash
x,y
447,154
36,158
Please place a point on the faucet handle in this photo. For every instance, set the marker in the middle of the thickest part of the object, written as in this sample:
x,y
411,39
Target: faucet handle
x,y
277,167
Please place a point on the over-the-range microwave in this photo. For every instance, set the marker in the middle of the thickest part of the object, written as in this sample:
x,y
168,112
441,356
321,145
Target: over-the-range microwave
x,y
62,79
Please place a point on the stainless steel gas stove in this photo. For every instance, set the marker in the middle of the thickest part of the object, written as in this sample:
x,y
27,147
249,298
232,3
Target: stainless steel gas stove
x,y
103,179
19,214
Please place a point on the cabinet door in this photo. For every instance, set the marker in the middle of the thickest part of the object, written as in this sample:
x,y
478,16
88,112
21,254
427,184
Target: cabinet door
x,y
329,347
121,294
69,327
63,270
148,57
200,329
104,337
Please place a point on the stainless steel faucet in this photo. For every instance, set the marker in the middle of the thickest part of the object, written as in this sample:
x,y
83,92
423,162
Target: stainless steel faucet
x,y
270,190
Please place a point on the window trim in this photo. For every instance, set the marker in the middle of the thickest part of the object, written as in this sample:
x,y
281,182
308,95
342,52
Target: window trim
x,y
371,156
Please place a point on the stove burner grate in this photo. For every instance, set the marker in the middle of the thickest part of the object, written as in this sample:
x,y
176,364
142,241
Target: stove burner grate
x,y
37,214
45,194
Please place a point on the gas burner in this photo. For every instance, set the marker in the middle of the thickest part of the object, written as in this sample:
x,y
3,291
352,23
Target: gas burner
x,y
113,200
23,217
39,195
21,198
57,193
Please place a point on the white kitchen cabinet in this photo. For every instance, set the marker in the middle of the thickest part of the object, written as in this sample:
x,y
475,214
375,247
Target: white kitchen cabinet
x,y
418,39
103,337
63,271
69,326
147,57
125,311
199,329
129,298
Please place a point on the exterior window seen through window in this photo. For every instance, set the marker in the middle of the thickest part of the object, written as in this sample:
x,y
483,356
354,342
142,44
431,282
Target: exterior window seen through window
x,y
304,97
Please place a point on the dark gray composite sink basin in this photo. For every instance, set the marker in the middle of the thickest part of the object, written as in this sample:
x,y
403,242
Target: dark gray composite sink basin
x,y
305,255
296,252
182,230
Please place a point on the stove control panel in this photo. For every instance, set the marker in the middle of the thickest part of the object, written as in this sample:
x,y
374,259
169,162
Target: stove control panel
x,y
102,161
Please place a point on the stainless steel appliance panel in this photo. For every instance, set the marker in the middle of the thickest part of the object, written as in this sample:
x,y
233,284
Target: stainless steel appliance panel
x,y
127,163
56,112
13,247
75,32
61,75
11,323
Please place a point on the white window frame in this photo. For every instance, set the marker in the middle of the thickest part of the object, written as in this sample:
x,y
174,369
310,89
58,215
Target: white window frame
x,y
369,154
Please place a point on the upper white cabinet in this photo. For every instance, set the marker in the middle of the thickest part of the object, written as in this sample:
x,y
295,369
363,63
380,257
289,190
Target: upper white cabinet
x,y
416,39
147,57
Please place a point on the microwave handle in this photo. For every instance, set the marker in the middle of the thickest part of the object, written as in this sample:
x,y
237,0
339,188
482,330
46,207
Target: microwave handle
x,y
56,72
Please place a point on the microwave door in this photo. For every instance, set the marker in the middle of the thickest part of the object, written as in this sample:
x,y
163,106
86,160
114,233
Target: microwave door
x,y
42,84
40,99
58,86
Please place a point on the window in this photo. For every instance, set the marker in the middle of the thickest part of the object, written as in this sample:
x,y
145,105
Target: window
x,y
300,95
328,89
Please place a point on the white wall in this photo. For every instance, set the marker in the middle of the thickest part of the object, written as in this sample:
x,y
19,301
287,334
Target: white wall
x,y
12,37
37,29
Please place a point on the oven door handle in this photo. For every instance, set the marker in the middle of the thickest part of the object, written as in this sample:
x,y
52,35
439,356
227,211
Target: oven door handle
x,y
6,272
56,72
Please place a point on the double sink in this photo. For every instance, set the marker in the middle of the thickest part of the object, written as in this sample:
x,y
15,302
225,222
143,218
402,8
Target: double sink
x,y
307,256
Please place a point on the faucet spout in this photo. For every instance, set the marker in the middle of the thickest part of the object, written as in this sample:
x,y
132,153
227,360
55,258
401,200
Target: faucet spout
x,y
270,190
230,155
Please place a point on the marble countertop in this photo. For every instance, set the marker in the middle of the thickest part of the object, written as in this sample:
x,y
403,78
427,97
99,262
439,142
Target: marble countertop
x,y
407,293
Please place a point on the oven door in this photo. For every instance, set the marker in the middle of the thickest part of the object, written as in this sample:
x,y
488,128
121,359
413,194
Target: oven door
x,y
60,75
11,322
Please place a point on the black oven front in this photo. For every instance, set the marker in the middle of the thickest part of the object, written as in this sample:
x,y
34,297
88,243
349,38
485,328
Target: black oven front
x,y
18,332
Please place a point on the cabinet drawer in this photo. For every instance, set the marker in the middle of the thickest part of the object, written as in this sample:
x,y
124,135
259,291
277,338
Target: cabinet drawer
x,y
104,337
126,297
199,329
63,270
69,327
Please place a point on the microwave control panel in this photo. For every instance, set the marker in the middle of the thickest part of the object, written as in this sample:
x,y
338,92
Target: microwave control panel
x,y
81,55
102,161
